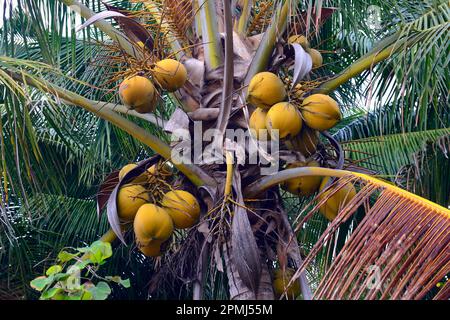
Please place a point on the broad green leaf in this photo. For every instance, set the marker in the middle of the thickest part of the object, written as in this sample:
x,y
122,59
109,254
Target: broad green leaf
x,y
100,251
73,282
76,295
87,295
60,276
53,269
50,293
82,264
101,291
39,283
124,282
65,256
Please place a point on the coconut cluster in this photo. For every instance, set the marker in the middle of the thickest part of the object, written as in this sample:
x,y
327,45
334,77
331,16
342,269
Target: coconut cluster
x,y
139,93
154,218
297,123
267,93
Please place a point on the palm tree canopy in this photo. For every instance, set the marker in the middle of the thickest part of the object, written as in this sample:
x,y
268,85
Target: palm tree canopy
x,y
386,66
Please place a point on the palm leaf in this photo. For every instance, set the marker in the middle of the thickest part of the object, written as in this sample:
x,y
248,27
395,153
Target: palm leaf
x,y
402,237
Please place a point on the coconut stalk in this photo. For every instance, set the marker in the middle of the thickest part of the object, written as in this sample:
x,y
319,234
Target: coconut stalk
x,y
267,182
150,117
210,34
381,52
193,173
227,98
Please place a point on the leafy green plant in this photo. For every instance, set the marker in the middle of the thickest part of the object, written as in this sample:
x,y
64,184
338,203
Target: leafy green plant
x,y
71,278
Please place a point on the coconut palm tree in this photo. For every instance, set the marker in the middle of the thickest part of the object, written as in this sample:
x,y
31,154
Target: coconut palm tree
x,y
65,133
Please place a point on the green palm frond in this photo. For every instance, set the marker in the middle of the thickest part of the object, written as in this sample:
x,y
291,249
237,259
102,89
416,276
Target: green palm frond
x,y
388,153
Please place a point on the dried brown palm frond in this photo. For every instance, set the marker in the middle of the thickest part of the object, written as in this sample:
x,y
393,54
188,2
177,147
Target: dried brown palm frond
x,y
399,250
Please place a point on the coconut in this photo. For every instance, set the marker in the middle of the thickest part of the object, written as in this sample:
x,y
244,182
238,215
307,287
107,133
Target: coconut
x,y
170,74
152,249
300,39
152,223
265,90
320,112
183,207
129,199
303,186
257,122
339,199
281,281
138,93
305,142
164,169
316,57
286,118
127,168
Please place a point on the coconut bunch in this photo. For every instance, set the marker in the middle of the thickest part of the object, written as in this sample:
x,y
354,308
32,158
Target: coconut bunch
x,y
139,93
153,207
296,117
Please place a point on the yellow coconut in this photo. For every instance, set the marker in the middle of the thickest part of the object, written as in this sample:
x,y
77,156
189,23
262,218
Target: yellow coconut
x,y
305,142
331,207
265,90
320,112
300,39
257,122
182,207
286,118
281,281
127,168
170,74
164,169
129,199
316,58
303,186
138,93
152,249
152,223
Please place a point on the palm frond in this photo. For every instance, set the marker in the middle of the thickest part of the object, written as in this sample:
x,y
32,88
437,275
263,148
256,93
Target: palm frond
x,y
397,250
389,153
401,238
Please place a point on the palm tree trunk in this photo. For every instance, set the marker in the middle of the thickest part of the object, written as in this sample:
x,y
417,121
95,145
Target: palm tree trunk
x,y
238,290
